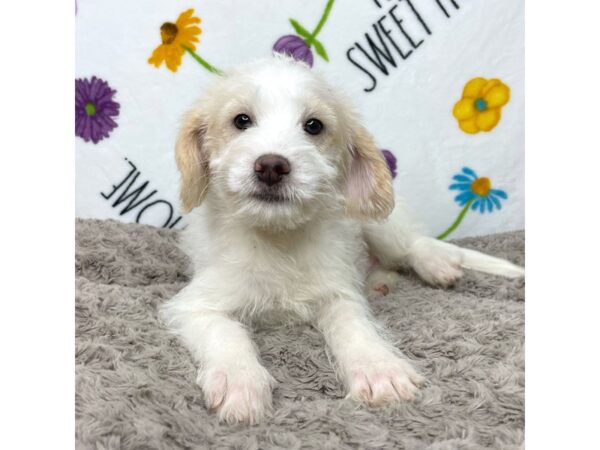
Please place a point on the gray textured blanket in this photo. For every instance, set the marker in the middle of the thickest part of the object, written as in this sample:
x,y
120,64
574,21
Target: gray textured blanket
x,y
136,384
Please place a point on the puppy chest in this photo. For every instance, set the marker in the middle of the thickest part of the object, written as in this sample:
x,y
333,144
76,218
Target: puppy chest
x,y
280,280
268,279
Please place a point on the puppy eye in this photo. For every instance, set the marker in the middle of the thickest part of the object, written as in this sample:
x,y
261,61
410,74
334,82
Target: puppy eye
x,y
313,126
242,121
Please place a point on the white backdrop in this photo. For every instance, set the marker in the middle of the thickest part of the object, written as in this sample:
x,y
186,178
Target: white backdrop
x,y
430,50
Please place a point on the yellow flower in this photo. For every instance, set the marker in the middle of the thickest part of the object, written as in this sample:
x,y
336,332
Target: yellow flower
x,y
176,37
481,103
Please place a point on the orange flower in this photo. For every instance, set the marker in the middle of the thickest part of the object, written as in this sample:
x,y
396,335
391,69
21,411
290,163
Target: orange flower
x,y
481,104
176,38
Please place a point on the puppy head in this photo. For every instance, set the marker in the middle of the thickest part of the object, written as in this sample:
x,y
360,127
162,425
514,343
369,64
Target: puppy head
x,y
272,144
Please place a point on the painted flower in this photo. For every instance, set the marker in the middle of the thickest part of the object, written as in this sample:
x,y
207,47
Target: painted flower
x,y
390,159
295,47
481,104
475,193
299,46
177,38
94,109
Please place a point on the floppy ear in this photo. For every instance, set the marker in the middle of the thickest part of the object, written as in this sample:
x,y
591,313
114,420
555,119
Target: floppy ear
x,y
192,160
369,191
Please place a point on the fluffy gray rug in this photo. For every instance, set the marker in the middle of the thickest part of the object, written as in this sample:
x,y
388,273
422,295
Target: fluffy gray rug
x,y
136,384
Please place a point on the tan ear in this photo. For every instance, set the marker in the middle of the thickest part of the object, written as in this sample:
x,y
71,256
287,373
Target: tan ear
x,y
369,190
192,160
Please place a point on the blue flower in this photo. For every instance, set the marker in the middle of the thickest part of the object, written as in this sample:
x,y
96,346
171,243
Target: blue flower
x,y
476,191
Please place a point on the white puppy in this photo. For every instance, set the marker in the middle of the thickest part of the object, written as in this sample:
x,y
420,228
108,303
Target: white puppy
x,y
294,196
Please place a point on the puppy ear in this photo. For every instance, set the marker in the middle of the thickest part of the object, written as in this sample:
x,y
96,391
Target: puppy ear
x,y
192,160
369,190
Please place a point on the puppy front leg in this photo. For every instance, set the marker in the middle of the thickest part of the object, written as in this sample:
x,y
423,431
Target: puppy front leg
x,y
371,368
233,381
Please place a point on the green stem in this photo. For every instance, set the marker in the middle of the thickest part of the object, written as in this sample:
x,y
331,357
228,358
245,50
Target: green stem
x,y
457,222
202,61
314,34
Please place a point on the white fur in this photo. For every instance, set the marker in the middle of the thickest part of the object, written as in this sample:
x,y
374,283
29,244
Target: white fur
x,y
301,260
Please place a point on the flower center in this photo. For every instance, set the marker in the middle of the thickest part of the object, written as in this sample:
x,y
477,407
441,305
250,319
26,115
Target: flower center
x,y
90,109
168,32
480,104
481,186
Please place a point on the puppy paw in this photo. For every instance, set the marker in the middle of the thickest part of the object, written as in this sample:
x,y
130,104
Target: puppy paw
x,y
436,263
381,281
239,395
384,382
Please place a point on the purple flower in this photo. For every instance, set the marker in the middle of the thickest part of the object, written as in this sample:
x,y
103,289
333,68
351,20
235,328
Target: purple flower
x,y
295,47
94,109
390,159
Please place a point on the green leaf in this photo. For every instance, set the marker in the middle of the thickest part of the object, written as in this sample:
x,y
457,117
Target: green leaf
x,y
320,50
300,29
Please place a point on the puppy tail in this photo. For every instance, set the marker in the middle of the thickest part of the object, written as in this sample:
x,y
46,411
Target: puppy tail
x,y
480,262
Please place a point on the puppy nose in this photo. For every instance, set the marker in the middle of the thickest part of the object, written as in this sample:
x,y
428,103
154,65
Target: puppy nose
x,y
270,169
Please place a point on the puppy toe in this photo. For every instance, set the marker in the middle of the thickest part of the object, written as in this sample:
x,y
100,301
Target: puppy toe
x,y
360,390
405,388
237,396
383,391
381,383
214,390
